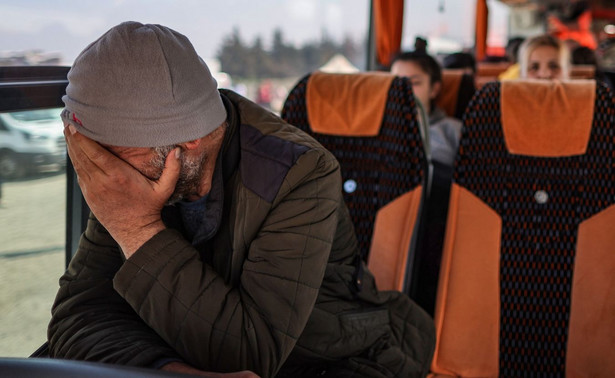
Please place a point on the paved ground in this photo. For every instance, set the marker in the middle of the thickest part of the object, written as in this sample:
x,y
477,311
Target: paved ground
x,y
32,239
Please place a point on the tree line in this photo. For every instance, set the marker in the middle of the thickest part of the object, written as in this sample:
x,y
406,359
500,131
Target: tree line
x,y
254,61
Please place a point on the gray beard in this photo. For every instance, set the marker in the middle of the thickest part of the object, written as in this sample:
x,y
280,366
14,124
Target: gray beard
x,y
190,174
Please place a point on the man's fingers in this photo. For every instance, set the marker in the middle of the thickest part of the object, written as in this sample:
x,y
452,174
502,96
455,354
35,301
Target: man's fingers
x,y
97,166
91,156
170,174
94,152
76,157
76,144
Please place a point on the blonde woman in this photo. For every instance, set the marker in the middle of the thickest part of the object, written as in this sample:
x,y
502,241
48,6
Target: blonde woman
x,y
544,57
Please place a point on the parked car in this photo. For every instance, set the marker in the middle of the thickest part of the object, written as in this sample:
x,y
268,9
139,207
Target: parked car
x,y
31,141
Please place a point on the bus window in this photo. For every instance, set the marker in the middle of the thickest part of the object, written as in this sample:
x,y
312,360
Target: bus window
x,y
448,26
259,49
32,224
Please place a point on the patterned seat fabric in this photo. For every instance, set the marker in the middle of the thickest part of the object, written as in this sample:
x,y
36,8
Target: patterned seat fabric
x,y
541,202
375,169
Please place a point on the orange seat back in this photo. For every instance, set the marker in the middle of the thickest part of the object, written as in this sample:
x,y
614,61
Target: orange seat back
x,y
582,71
456,93
526,282
369,122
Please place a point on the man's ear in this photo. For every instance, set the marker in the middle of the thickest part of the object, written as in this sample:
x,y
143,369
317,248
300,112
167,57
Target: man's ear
x,y
191,145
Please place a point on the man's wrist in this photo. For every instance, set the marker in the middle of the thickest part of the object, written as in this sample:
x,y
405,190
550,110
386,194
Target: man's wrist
x,y
133,241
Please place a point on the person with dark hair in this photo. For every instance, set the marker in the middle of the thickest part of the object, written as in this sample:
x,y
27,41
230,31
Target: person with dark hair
x,y
425,75
583,55
420,44
512,49
444,133
512,55
460,60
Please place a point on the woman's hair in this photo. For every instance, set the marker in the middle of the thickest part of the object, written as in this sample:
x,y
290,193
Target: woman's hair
x,y
512,48
531,44
460,60
584,55
423,60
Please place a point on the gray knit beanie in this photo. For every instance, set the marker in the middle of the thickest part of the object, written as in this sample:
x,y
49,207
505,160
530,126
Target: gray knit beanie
x,y
142,86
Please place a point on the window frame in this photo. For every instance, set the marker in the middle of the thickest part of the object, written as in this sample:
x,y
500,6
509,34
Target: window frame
x,y
40,87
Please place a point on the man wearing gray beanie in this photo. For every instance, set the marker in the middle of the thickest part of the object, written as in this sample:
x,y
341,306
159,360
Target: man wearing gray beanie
x,y
218,239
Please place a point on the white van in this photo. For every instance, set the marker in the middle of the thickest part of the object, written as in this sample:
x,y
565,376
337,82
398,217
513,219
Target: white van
x,y
31,141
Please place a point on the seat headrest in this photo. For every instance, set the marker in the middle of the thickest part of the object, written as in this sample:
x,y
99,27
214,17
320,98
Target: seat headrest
x,y
547,118
347,104
447,98
582,71
492,68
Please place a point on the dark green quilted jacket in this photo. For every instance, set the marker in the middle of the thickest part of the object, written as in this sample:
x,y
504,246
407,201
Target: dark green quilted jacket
x,y
269,284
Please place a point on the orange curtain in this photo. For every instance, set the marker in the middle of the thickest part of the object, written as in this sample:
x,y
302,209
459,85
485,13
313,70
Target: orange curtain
x,y
388,21
482,22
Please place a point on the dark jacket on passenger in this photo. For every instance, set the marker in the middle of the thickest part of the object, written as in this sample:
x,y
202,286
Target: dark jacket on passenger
x,y
269,280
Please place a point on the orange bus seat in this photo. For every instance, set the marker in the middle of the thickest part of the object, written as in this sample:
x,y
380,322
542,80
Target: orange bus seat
x,y
582,71
369,122
456,93
526,283
489,71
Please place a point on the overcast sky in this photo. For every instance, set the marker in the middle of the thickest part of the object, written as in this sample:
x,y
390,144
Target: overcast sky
x,y
67,26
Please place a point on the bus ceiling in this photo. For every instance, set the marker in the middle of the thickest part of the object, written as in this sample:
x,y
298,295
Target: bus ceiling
x,y
388,17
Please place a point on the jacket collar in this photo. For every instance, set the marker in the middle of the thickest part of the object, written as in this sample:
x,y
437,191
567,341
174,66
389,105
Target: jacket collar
x,y
230,145
226,164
